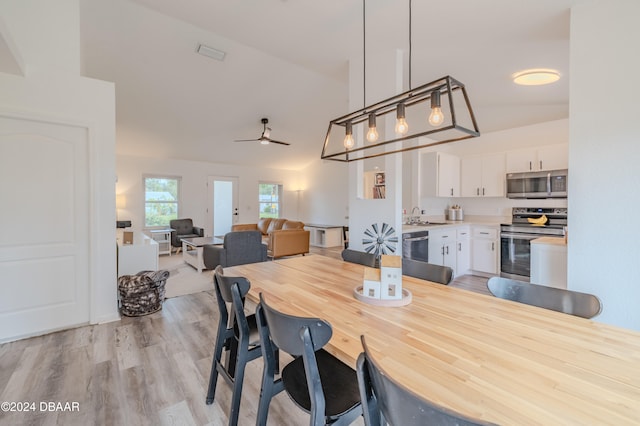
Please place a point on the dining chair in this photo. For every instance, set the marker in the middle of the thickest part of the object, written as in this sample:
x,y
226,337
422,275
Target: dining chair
x,y
237,334
363,258
385,400
427,271
316,381
556,299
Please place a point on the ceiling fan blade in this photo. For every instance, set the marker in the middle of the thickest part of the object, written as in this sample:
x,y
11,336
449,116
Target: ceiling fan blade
x,y
281,143
246,140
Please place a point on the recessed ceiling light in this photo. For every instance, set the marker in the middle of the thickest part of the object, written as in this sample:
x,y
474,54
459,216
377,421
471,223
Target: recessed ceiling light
x,y
536,77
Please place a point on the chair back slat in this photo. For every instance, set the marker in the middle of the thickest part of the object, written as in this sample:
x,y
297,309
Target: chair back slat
x,y
285,330
225,283
427,271
360,257
556,299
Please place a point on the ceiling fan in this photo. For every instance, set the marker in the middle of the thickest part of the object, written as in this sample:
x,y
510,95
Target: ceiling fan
x,y
264,138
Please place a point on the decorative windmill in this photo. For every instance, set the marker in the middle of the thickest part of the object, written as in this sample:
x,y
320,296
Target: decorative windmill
x,y
380,240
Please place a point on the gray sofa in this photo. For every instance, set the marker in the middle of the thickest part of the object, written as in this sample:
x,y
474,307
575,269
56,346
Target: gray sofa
x,y
183,228
239,247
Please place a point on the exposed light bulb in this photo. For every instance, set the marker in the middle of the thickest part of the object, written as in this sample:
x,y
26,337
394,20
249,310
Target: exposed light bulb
x,y
348,137
436,117
401,123
264,142
372,134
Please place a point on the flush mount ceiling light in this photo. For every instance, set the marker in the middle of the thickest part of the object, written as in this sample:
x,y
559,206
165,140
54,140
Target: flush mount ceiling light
x,y
536,77
210,52
436,113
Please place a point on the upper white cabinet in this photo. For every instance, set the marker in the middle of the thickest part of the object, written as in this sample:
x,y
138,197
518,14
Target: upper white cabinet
x,y
483,176
550,157
440,175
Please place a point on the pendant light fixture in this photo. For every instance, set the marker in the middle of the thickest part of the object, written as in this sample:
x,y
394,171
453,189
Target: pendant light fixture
x,y
443,103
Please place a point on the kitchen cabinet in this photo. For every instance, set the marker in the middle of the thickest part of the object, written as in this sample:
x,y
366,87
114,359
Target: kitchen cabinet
x,y
439,175
483,176
550,157
442,247
463,250
549,262
484,249
451,247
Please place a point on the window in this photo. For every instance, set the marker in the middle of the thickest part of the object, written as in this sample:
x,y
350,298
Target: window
x,y
161,195
270,199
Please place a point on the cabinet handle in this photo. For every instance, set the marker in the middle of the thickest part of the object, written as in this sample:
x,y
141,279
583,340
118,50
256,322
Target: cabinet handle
x,y
477,191
530,165
493,246
484,233
540,164
459,246
482,191
452,192
447,249
442,251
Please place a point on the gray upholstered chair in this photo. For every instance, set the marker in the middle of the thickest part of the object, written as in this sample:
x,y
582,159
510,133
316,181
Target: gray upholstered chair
x,y
239,247
183,228
556,299
427,271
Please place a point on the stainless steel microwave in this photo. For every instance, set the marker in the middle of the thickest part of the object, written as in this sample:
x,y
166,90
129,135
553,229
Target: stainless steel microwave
x,y
547,184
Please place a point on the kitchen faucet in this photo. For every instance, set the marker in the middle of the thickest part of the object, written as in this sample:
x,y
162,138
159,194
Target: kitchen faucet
x,y
414,219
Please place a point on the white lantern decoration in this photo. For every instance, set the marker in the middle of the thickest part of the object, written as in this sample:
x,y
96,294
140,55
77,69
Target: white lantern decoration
x,y
390,277
371,285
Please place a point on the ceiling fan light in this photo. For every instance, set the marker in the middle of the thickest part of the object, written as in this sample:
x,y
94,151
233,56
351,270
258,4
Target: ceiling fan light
x,y
536,77
264,142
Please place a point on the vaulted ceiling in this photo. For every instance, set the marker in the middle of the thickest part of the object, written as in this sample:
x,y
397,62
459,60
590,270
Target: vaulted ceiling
x,y
288,60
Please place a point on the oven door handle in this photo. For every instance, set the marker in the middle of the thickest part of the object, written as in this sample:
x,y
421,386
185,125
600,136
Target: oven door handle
x,y
520,236
416,239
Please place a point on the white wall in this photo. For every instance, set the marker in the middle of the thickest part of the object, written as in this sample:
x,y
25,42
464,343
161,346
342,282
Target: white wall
x,y
47,36
323,193
194,176
604,155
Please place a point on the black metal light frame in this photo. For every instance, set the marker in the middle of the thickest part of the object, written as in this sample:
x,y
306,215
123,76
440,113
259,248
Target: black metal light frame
x,y
446,86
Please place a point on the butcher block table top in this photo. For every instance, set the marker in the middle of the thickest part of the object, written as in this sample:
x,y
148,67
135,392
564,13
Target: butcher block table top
x,y
485,357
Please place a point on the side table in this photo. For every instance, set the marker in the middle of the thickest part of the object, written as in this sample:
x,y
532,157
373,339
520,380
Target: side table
x,y
163,237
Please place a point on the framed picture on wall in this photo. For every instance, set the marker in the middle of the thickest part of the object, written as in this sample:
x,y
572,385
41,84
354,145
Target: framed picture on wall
x,y
379,178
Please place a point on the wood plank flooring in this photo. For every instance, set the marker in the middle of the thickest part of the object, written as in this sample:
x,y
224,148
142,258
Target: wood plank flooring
x,y
150,370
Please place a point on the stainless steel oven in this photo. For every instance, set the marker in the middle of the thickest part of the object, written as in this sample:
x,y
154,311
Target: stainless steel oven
x,y
415,245
515,238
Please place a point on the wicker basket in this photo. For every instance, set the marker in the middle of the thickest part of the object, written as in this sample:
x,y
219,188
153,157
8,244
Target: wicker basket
x,y
143,293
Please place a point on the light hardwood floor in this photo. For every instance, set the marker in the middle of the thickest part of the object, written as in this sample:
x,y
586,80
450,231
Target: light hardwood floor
x,y
150,370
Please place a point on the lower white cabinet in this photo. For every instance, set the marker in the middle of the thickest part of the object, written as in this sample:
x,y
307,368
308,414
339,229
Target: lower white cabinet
x,y
446,249
485,249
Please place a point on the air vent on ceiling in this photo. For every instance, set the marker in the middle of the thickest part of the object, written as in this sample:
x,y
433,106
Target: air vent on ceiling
x,y
210,52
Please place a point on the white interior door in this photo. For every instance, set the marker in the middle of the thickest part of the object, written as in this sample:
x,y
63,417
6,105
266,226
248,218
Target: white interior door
x,y
44,223
223,204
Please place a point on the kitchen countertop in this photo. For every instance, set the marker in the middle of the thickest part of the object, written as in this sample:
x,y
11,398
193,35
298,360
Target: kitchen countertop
x,y
447,224
556,241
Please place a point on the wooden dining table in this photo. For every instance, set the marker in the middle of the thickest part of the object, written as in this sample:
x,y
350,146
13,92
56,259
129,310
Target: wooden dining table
x,y
485,357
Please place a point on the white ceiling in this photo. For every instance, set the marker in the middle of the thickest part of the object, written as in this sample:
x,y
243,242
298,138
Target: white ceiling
x,y
288,60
